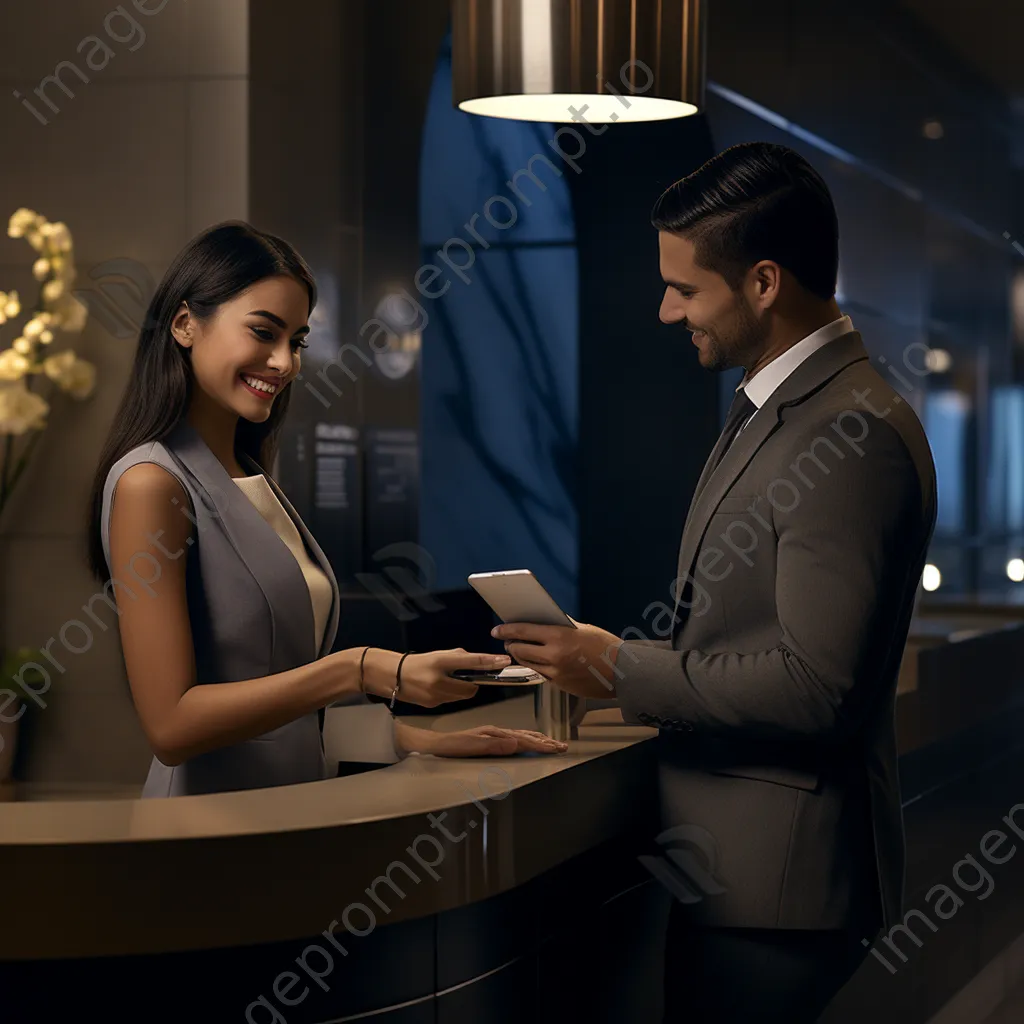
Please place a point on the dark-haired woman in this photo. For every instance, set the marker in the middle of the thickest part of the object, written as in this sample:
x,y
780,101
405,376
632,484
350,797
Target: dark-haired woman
x,y
227,607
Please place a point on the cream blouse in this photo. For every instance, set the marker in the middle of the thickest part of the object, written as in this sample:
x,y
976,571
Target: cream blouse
x,y
358,733
260,493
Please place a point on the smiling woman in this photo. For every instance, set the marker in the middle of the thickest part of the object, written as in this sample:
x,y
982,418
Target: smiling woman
x,y
245,353
229,650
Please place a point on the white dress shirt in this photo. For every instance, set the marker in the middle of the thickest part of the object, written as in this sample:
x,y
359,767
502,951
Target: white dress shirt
x,y
769,377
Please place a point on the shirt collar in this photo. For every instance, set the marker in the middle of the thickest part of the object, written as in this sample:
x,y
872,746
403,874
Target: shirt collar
x,y
768,378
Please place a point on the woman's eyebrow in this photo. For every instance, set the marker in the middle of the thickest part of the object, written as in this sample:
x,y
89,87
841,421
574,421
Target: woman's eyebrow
x,y
274,318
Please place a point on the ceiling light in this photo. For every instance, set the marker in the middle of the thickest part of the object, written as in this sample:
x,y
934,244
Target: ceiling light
x,y
594,61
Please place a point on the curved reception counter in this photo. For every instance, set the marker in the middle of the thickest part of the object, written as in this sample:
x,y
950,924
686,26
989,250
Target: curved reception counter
x,y
432,889
443,891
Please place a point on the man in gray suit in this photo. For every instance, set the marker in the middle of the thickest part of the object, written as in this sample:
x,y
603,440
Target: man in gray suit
x,y
772,681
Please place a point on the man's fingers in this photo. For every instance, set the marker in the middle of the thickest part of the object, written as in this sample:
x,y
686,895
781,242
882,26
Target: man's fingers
x,y
526,652
526,631
545,671
527,655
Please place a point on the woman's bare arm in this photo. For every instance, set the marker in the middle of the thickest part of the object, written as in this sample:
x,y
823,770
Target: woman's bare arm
x,y
149,531
180,719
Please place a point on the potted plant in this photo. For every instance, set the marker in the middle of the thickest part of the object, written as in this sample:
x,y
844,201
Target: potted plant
x,y
31,373
17,717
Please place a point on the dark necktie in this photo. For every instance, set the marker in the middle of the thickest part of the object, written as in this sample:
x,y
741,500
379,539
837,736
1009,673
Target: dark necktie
x,y
740,411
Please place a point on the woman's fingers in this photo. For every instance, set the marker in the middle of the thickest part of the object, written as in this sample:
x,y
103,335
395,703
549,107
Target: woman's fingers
x,y
530,739
495,740
521,744
478,745
500,744
530,734
543,743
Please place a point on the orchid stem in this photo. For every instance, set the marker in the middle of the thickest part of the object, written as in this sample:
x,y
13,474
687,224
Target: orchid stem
x,y
4,467
9,477
22,462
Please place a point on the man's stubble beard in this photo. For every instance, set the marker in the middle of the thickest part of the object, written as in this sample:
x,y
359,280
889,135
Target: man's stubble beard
x,y
718,359
749,335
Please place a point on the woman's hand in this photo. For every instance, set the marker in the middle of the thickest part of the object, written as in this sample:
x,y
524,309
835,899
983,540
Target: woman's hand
x,y
483,741
426,678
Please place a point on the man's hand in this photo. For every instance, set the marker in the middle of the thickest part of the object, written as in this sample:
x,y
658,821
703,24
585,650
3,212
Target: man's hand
x,y
579,660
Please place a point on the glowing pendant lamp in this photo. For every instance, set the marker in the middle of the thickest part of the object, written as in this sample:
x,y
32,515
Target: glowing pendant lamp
x,y
547,60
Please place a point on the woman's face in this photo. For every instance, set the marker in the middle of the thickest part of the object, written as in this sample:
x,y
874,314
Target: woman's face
x,y
248,352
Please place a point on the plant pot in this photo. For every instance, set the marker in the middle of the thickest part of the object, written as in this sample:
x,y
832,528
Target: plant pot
x,y
8,742
16,736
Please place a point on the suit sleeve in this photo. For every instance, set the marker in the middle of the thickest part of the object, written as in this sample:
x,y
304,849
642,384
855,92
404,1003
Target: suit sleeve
x,y
843,554
597,703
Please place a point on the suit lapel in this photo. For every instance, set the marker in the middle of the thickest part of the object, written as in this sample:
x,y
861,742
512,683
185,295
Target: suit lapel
x,y
318,556
760,427
705,473
812,374
265,555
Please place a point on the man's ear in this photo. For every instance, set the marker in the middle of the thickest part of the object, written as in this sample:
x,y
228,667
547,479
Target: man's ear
x,y
181,326
766,279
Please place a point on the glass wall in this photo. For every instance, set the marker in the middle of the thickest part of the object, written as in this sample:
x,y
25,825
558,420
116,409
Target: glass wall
x,y
500,367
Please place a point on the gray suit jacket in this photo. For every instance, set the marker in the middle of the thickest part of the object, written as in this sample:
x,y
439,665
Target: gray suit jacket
x,y
249,609
773,683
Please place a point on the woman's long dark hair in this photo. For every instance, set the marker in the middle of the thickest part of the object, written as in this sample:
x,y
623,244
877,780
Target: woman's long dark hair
x,y
213,268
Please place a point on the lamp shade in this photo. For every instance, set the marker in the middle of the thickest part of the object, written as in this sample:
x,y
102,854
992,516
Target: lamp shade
x,y
602,61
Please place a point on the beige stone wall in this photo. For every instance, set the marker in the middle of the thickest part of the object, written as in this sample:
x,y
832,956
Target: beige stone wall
x,y
148,152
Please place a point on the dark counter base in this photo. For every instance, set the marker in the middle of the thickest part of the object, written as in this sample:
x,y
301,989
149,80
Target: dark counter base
x,y
955,792
575,944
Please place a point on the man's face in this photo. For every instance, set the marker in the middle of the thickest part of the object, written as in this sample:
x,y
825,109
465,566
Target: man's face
x,y
725,329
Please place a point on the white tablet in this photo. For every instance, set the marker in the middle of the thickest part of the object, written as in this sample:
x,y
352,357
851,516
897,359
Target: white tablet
x,y
516,595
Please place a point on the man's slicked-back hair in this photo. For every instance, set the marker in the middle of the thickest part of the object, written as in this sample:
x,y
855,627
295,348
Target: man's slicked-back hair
x,y
756,201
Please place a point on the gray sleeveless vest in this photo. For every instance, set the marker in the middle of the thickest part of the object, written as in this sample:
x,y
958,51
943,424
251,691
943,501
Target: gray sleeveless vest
x,y
249,609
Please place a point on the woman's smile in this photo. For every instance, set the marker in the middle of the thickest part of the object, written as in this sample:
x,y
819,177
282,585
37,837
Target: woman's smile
x,y
261,386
